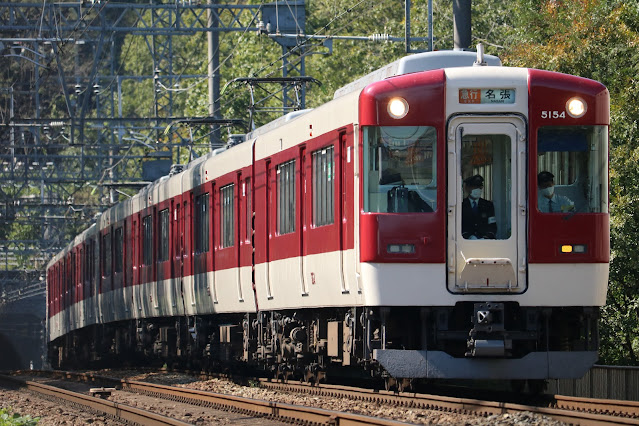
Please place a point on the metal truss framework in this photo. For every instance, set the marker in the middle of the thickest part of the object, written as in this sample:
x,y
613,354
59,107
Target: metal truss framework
x,y
67,151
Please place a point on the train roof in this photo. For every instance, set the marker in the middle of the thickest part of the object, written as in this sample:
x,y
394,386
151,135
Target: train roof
x,y
418,62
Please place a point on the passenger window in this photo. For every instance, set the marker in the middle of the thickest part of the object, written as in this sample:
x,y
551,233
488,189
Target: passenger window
x,y
164,236
228,215
118,250
286,190
147,240
323,186
201,230
106,255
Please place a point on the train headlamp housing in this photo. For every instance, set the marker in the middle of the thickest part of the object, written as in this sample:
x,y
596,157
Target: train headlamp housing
x,y
576,107
397,108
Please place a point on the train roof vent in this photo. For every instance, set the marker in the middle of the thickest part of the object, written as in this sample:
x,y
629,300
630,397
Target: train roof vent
x,y
235,139
176,168
418,62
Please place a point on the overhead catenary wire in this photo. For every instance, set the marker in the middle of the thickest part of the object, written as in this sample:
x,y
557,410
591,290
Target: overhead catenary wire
x,y
307,41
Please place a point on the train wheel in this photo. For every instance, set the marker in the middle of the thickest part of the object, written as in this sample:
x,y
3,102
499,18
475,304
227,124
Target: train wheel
x,y
390,384
281,374
405,385
312,374
309,377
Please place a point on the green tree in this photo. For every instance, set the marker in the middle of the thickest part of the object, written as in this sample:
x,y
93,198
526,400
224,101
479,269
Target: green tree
x,y
599,39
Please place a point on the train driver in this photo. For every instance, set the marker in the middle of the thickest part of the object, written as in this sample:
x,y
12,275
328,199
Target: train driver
x,y
478,214
547,200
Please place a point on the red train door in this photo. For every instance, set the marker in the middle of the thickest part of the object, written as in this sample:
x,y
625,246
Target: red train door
x,y
487,205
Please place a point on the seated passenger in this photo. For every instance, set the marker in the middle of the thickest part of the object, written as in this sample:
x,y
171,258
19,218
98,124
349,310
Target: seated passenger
x,y
478,214
547,200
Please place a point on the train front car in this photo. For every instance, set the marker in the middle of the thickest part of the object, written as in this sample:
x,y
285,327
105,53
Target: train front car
x,y
484,231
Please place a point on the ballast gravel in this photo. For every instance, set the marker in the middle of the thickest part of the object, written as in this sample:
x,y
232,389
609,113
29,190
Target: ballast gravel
x,y
26,403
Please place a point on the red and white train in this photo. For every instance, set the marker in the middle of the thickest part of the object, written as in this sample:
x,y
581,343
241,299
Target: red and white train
x,y
333,237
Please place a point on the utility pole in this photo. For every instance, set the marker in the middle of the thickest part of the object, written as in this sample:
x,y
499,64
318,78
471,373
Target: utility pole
x,y
213,39
462,39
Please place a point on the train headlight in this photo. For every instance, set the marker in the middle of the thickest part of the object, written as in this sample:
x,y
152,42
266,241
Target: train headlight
x,y
576,107
397,108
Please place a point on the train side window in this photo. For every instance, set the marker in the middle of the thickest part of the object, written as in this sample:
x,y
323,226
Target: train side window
x,y
201,230
400,164
73,277
576,161
286,202
163,254
118,250
249,209
106,255
323,186
147,240
228,215
90,268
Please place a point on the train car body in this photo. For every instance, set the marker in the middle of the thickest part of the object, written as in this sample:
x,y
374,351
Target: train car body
x,y
338,236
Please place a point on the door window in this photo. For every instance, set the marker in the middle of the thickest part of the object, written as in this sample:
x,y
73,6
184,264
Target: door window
x,y
487,185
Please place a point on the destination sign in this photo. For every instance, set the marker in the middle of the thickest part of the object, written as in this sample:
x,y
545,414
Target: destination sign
x,y
486,96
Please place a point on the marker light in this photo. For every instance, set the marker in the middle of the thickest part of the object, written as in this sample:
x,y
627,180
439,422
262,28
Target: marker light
x,y
397,108
577,248
576,107
401,248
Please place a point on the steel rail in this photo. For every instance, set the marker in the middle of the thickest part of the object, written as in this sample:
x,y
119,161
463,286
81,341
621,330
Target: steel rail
x,y
268,409
108,408
260,408
613,407
572,410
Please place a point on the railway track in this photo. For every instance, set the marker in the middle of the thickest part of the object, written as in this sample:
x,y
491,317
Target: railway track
x,y
286,413
112,410
571,410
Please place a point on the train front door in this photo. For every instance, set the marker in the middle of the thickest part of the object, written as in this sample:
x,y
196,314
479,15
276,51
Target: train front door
x,y
486,205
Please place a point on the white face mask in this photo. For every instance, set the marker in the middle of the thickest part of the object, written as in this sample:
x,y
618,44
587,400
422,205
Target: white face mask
x,y
548,192
475,193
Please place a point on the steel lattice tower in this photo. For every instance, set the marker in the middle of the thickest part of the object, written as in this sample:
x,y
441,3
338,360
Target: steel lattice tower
x,y
68,149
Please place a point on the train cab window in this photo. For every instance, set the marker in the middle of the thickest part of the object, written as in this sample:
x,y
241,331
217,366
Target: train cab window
x,y
163,254
118,250
106,255
147,240
401,169
487,185
201,229
323,186
286,203
572,169
228,216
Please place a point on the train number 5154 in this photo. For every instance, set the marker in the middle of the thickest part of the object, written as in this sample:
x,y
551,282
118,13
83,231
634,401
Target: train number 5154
x,y
553,114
